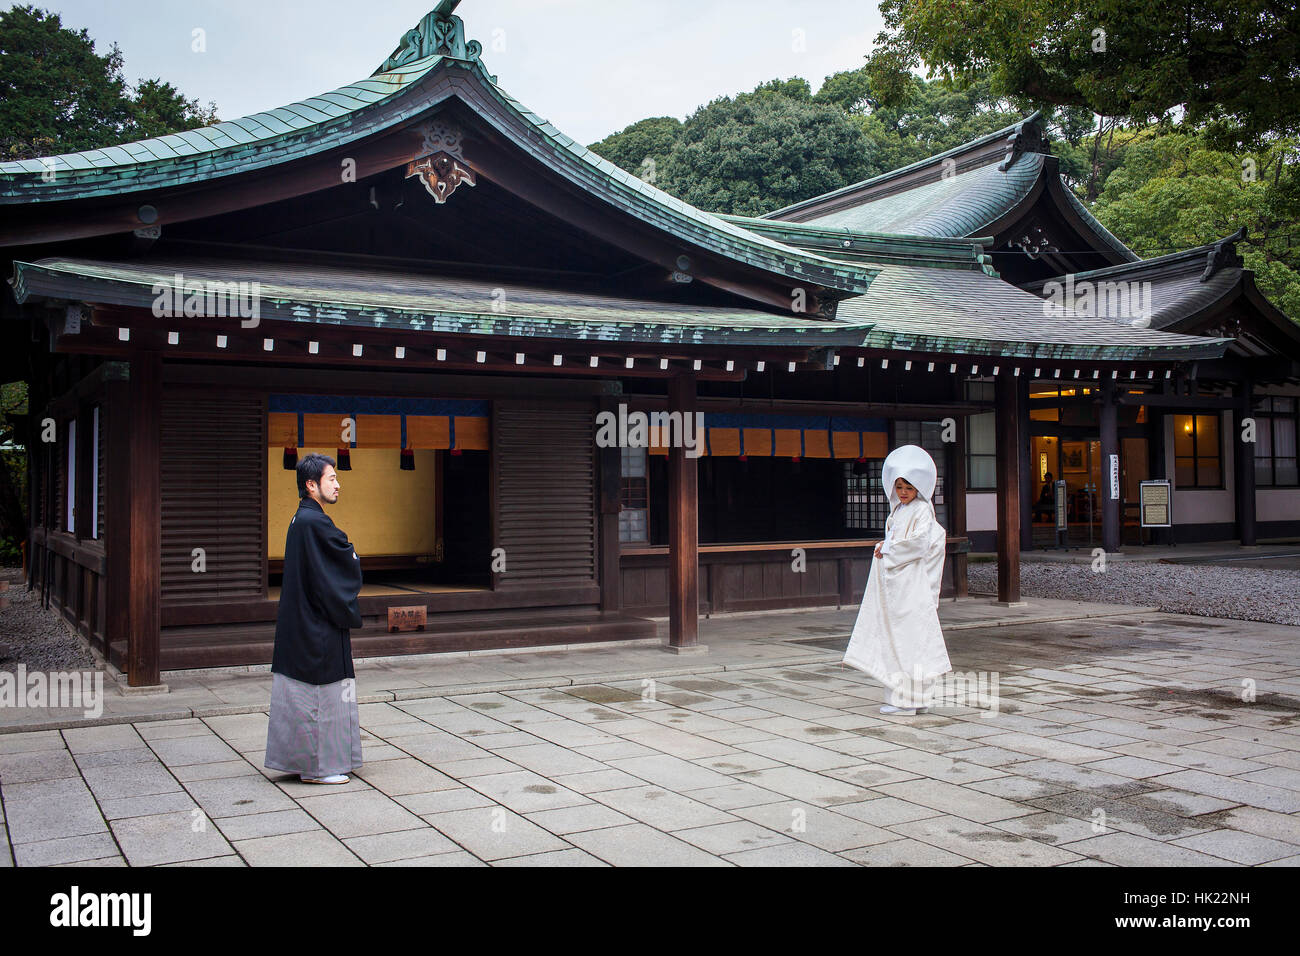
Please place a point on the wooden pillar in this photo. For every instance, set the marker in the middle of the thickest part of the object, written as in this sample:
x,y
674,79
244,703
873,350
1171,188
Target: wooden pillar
x,y
1244,462
683,528
1110,527
117,504
1008,444
610,464
957,508
1156,417
144,520
1026,480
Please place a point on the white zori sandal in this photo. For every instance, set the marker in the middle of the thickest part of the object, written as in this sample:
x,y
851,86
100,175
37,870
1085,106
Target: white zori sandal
x,y
336,778
903,711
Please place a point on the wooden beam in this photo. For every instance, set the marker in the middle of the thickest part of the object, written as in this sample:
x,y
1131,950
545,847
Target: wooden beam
x,y
778,406
683,530
1156,400
421,353
1008,445
144,520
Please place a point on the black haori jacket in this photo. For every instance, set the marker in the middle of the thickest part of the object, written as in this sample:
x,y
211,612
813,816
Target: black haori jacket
x,y
318,602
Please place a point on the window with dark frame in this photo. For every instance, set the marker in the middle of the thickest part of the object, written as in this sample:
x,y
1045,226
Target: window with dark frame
x,y
981,441
865,504
634,498
1277,428
1198,456
928,435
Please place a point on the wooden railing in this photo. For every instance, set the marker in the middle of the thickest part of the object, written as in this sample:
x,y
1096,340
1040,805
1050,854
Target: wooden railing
x,y
72,574
761,575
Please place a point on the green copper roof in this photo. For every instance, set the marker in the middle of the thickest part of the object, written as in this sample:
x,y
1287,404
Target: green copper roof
x,y
407,301
1010,135
960,192
1183,291
347,115
236,146
908,308
961,205
929,309
842,243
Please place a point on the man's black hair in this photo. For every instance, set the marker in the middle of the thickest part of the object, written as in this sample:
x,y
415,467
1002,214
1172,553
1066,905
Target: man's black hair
x,y
310,468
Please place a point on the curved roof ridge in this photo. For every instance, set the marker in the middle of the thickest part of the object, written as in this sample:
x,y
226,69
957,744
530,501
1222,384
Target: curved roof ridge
x,y
1213,256
849,246
813,228
1017,130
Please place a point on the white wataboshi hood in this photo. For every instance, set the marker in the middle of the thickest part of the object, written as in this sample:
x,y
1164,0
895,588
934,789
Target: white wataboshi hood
x,y
915,466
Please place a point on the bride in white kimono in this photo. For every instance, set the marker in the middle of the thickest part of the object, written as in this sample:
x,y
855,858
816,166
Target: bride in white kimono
x,y
897,638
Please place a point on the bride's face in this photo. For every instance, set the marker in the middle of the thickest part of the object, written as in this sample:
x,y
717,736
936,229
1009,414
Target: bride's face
x,y
904,491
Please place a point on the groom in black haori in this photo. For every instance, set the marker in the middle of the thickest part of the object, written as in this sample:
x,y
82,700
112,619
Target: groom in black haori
x,y
314,729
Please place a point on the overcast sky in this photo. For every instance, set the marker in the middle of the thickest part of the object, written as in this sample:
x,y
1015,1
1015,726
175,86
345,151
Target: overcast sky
x,y
591,67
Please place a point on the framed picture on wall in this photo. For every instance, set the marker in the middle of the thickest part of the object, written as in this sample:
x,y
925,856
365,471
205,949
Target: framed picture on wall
x,y
1074,458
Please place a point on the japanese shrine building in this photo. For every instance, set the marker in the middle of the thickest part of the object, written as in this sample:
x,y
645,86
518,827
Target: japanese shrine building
x,y
416,275
1006,187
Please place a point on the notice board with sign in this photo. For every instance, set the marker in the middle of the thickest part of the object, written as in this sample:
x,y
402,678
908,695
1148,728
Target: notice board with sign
x,y
1156,504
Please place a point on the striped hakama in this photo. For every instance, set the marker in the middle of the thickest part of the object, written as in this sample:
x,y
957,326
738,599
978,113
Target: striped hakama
x,y
314,729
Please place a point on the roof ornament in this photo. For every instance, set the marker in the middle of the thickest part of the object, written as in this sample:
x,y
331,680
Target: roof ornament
x,y
441,165
1223,254
1034,242
438,33
1026,138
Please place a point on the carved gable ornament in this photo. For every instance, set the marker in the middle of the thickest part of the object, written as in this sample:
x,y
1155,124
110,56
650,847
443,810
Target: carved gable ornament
x,y
438,33
1034,242
441,165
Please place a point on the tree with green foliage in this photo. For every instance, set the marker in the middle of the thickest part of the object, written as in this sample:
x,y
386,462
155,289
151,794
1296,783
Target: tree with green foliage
x,y
641,147
57,95
932,117
1226,65
1173,191
759,151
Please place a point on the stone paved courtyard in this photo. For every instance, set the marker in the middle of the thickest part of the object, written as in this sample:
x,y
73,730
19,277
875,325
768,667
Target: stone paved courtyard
x,y
1120,740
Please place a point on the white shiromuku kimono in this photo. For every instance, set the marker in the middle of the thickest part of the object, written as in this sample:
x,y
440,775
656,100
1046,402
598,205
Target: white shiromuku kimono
x,y
897,638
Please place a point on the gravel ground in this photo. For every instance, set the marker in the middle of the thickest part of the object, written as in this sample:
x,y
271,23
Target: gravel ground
x,y
32,635
1241,594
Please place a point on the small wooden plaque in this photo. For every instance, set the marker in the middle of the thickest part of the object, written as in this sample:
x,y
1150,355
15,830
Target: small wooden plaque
x,y
407,618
